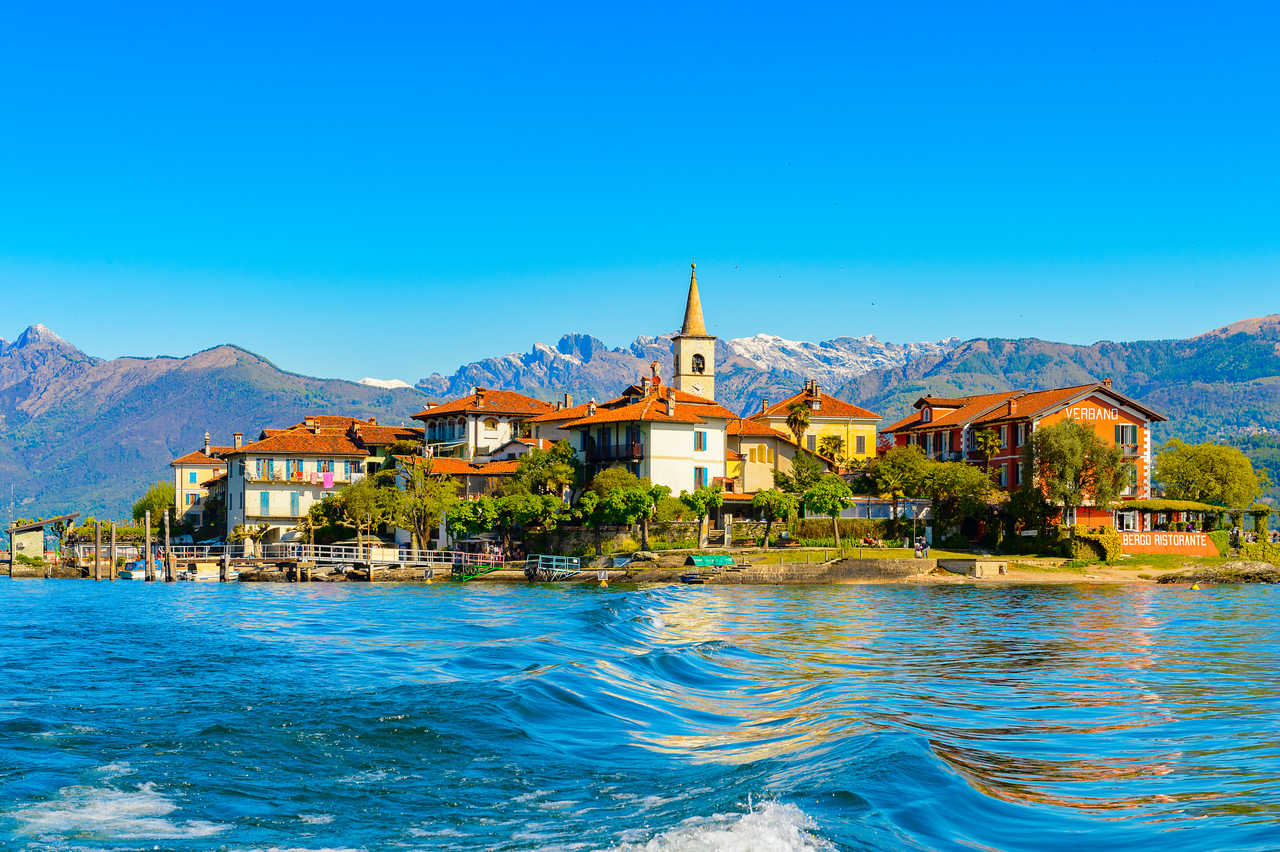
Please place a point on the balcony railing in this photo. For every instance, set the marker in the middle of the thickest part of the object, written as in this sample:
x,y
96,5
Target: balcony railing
x,y
1129,451
622,451
308,478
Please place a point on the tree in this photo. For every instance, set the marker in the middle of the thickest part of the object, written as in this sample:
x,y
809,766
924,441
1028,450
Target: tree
x,y
629,506
611,478
957,491
899,474
522,511
1071,465
774,503
255,534
589,512
798,419
471,517
831,446
1208,473
366,506
424,499
701,503
987,443
806,469
829,496
158,499
545,471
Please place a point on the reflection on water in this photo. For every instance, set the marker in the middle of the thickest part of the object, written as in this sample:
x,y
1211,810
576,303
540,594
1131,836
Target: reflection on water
x,y
389,717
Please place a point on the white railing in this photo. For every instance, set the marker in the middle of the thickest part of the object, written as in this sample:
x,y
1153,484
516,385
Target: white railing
x,y
375,554
312,478
197,551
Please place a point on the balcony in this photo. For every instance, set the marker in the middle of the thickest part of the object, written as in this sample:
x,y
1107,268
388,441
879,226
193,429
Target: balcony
x,y
623,451
1129,451
309,478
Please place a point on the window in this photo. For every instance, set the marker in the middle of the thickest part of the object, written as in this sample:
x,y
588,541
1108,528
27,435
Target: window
x,y
860,443
811,442
751,455
699,477
260,468
699,441
1126,521
1022,434
191,499
264,502
1004,437
1131,487
769,450
1002,475
295,500
491,424
293,467
1127,439
1069,517
324,466
926,414
191,477
699,364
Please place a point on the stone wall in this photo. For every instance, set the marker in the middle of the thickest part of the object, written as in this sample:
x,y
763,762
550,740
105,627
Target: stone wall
x,y
828,572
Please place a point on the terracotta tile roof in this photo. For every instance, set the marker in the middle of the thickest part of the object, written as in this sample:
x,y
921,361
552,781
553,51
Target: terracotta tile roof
x,y
910,419
382,435
653,408
216,479
199,458
537,443
738,496
303,442
830,407
558,415
732,455
464,467
981,409
494,402
754,428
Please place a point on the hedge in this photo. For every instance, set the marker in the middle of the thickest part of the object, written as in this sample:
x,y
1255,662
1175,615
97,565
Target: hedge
x,y
1103,544
1222,540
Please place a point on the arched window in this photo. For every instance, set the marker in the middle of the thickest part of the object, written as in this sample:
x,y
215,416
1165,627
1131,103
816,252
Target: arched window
x,y
699,364
491,424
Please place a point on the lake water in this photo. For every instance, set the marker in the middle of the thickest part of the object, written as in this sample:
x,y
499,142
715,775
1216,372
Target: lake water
x,y
244,716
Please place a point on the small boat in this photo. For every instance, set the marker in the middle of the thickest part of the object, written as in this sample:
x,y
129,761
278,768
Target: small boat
x,y
206,576
136,570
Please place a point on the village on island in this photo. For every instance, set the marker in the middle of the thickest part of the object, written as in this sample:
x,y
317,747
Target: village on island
x,y
663,482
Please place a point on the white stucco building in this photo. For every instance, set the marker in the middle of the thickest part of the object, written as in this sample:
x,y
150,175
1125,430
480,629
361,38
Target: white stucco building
x,y
478,423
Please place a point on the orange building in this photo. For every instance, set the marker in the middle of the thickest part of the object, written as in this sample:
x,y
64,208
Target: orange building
x,y
945,429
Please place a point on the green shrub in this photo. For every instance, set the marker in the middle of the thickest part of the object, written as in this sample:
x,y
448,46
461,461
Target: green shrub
x,y
1261,552
820,528
1099,545
24,559
1222,540
627,544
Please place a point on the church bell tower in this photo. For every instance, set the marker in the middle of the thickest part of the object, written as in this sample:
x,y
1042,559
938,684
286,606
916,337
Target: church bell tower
x,y
695,350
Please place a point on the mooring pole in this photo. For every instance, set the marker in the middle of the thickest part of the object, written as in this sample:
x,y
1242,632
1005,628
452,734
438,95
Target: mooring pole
x,y
97,551
222,567
148,570
168,555
111,569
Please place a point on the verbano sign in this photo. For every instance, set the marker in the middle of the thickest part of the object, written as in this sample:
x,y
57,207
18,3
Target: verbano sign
x,y
1185,543
1092,412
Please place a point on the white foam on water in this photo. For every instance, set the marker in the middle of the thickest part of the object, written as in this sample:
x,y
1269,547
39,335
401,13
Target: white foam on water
x,y
111,813
316,819
768,827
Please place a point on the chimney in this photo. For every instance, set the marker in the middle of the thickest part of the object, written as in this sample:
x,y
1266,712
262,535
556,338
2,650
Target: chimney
x,y
644,385
207,450
568,400
1013,406
591,408
1106,383
671,405
373,421
479,397
309,423
237,439
764,406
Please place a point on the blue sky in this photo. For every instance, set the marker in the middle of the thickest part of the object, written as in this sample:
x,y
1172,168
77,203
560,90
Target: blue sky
x,y
392,191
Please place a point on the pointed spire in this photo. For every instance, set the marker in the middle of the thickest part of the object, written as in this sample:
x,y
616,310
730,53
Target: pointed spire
x,y
694,324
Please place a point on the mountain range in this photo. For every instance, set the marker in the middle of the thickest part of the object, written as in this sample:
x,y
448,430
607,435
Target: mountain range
x,y
89,434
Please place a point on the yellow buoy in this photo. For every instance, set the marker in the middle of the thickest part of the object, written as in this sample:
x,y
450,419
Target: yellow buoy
x,y
1195,587
604,584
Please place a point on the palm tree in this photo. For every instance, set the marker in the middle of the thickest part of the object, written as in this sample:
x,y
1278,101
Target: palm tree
x,y
798,419
987,443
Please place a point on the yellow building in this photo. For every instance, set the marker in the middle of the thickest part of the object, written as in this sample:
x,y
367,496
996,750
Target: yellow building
x,y
828,417
192,475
